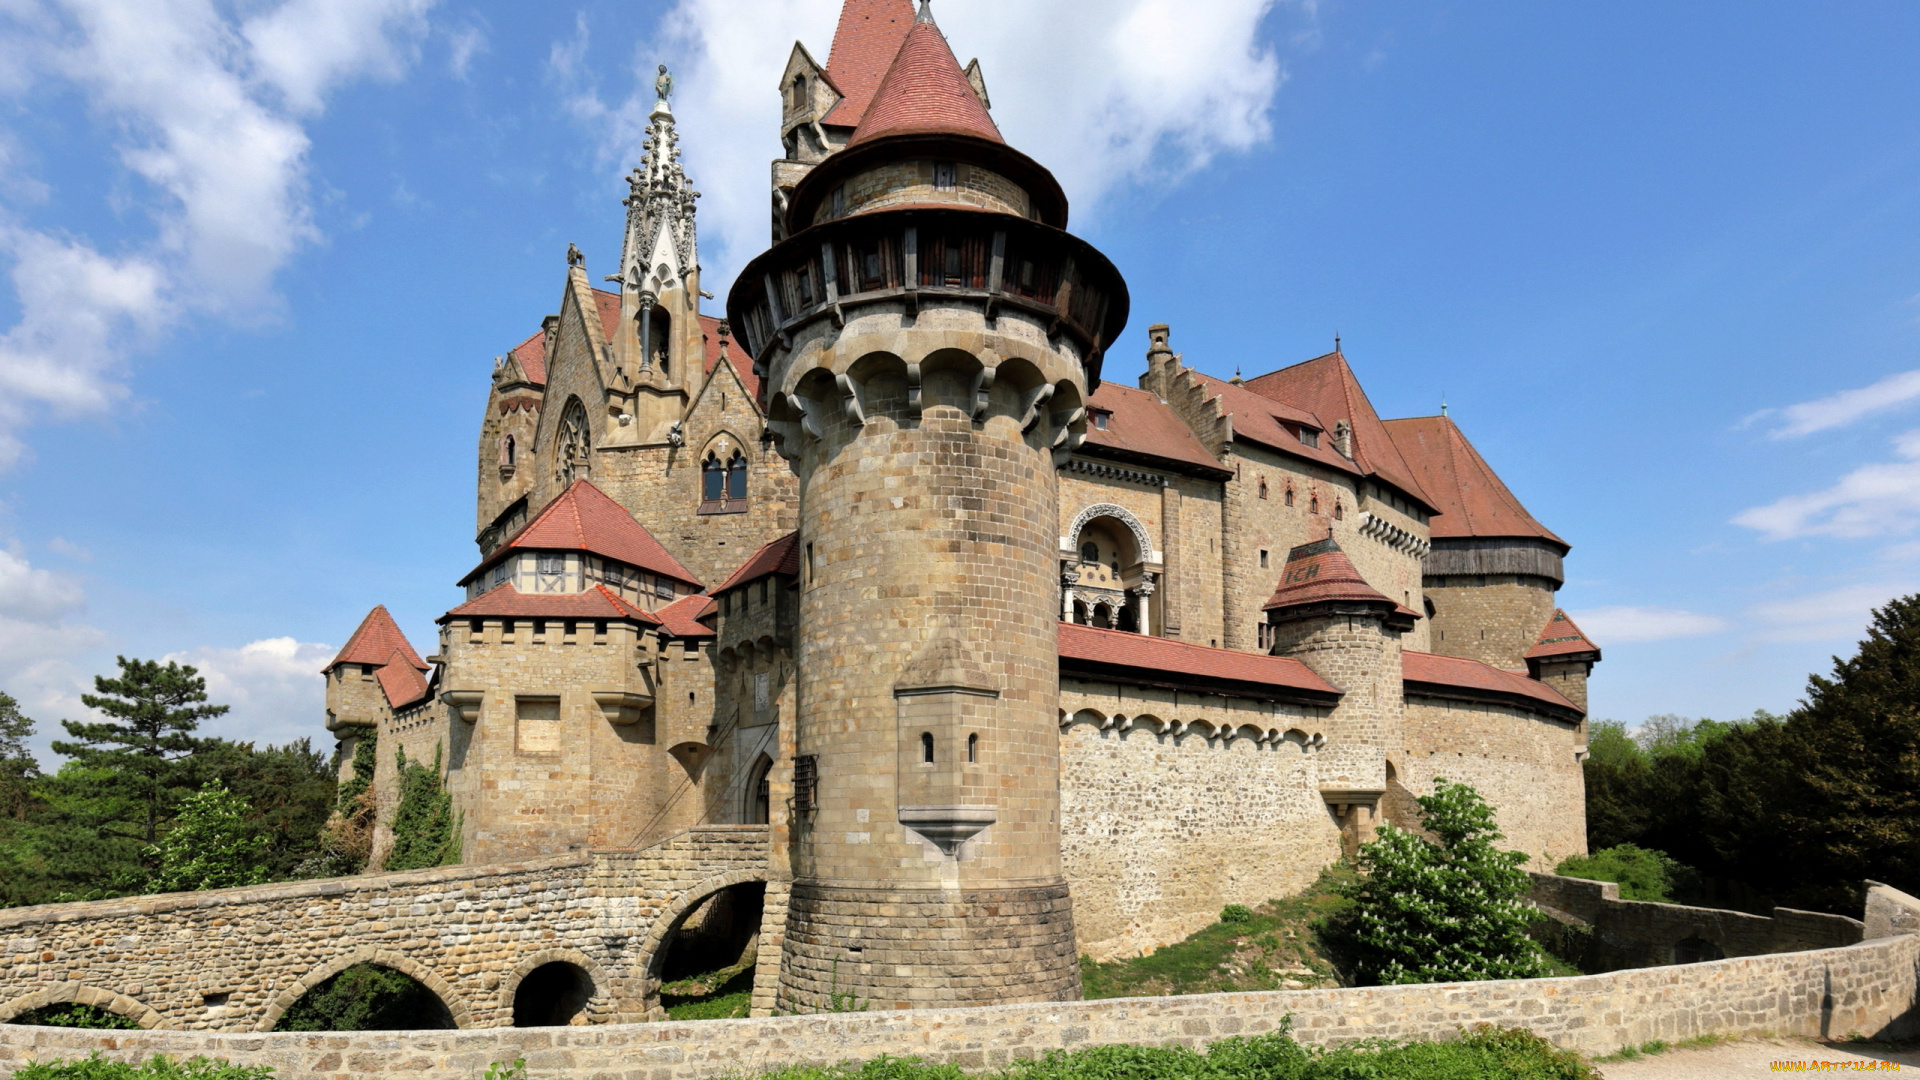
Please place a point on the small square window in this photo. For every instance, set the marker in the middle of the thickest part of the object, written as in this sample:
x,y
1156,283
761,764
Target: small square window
x,y
663,588
553,564
1263,558
1100,419
945,176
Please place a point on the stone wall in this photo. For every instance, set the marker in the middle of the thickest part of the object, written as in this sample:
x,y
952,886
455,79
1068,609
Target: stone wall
x,y
1173,805
236,959
1491,618
1520,761
1868,988
1637,934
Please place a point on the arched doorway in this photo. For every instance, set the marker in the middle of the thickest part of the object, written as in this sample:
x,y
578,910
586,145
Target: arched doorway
x,y
1109,576
759,795
367,997
555,994
705,963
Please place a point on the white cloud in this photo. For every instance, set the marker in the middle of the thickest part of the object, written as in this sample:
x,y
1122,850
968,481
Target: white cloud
x,y
273,686
1149,91
1835,613
464,43
1843,408
1621,625
1871,500
206,110
39,639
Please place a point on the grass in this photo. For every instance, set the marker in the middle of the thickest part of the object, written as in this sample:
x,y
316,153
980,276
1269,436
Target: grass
x,y
1483,1054
1276,946
158,1068
726,994
1661,1046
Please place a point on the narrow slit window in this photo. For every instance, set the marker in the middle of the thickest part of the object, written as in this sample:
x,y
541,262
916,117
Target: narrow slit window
x,y
926,747
973,749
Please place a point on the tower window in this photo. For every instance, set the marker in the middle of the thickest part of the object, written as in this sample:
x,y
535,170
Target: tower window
x,y
973,749
945,176
1090,552
837,202
1313,505
552,564
1339,510
1263,558
1289,494
926,747
507,451
797,94
1263,487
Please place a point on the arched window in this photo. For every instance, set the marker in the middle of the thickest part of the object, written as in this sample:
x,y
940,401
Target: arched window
x,y
1263,487
926,747
1313,504
797,94
723,481
1289,494
1090,552
1339,510
575,451
507,451
973,749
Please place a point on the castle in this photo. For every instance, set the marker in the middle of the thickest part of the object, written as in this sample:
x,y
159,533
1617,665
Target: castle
x,y
1014,664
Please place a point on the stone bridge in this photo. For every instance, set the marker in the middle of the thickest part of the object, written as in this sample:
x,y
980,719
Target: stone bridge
x,y
597,927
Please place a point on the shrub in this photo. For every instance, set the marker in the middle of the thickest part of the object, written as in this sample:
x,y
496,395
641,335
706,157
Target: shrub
x,y
426,831
159,1068
1642,874
1451,909
75,1015
1236,913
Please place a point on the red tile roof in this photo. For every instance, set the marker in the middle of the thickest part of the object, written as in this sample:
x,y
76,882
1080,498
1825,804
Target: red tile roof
x,y
376,642
864,46
583,518
1326,387
1469,495
1140,425
925,92
782,556
736,356
504,600
1320,573
1264,421
1455,673
682,617
1562,638
1160,657
401,682
532,353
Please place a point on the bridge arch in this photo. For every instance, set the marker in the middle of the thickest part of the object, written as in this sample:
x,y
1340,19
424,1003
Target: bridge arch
x,y
75,993
653,953
366,954
598,987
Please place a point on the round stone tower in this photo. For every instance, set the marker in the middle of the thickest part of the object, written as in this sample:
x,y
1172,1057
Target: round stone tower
x,y
927,336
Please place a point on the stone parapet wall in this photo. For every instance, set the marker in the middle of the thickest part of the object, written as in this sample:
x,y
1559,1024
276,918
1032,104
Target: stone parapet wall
x,y
1639,934
1868,988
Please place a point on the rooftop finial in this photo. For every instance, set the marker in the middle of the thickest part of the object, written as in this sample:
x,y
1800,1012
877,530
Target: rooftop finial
x,y
926,12
1443,403
1336,341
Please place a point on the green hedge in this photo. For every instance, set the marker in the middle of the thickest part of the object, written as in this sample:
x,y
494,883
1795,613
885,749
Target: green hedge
x,y
159,1068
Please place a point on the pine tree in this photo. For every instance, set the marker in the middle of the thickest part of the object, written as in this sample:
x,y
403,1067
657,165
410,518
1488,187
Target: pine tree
x,y
18,769
210,845
153,710
1450,909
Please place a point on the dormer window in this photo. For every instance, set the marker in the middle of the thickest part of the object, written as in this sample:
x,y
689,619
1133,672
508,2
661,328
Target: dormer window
x,y
945,176
1100,418
552,565
1310,437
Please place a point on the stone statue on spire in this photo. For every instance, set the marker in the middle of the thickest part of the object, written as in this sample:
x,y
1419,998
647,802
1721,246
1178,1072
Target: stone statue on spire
x,y
663,85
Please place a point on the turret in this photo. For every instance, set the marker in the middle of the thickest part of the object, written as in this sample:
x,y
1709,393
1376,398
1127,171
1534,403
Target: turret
x,y
928,335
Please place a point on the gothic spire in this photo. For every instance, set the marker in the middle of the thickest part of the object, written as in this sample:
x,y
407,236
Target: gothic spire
x,y
660,206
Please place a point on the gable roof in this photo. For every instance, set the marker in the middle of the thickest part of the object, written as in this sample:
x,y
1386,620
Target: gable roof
x,y
532,353
1326,387
925,92
1320,573
1450,676
737,357
583,518
864,45
1264,421
682,617
1472,500
401,682
1562,638
782,557
376,642
1141,658
1141,427
598,602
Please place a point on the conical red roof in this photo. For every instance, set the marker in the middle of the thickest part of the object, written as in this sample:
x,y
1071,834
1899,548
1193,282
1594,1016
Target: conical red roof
x,y
864,46
1472,500
583,518
925,93
376,642
1319,573
1562,638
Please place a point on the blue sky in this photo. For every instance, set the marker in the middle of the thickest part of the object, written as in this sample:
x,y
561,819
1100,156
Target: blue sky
x,y
1658,258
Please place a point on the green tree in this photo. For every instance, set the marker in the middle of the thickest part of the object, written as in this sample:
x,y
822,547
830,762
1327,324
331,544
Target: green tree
x,y
1447,909
366,997
18,769
288,792
425,830
1641,874
152,712
1616,775
211,844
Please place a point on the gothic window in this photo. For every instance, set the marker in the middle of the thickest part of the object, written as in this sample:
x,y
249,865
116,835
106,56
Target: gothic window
x,y
575,444
737,477
507,450
797,94
723,481
1289,494
713,480
1339,510
1313,504
659,337
1263,487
